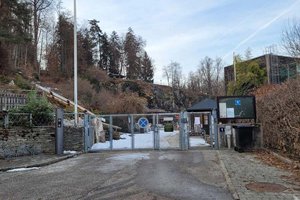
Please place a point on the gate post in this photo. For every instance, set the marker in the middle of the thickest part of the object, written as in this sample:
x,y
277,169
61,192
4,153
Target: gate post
x,y
156,133
215,129
111,132
132,131
184,140
87,137
59,132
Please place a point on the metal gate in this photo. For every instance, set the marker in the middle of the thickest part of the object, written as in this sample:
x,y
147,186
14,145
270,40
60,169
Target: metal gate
x,y
200,129
155,131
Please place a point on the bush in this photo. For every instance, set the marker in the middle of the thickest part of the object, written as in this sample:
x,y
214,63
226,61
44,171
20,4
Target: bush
x,y
278,111
168,127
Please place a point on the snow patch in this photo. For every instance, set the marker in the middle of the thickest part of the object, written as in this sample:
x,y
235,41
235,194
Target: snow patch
x,y
70,152
197,141
146,140
23,169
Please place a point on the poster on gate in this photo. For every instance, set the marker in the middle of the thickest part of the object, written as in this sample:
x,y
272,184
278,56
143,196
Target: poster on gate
x,y
197,121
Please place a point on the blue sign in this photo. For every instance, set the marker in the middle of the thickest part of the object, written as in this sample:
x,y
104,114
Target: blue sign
x,y
237,102
143,122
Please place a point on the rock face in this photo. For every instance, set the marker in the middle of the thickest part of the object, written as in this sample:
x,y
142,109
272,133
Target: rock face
x,y
157,96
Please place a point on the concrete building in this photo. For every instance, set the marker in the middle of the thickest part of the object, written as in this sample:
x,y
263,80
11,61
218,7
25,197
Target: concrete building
x,y
279,68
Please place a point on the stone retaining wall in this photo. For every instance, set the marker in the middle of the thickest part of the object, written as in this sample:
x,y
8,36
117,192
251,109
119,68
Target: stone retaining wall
x,y
21,141
74,138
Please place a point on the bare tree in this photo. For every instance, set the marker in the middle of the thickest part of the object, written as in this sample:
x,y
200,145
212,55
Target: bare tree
x,y
39,10
207,80
248,53
291,38
218,83
167,73
173,73
206,72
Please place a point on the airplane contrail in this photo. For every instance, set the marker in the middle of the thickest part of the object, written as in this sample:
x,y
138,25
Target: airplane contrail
x,y
261,28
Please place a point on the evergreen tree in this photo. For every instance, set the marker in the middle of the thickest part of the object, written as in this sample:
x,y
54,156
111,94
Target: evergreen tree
x,y
147,71
96,36
132,49
115,49
88,46
104,53
249,76
85,51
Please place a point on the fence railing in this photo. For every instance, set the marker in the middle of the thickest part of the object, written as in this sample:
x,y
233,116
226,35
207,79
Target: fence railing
x,y
10,120
11,100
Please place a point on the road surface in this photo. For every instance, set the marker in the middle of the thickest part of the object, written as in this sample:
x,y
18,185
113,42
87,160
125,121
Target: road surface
x,y
148,175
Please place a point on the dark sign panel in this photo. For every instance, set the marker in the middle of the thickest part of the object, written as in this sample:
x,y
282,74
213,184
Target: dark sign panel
x,y
236,107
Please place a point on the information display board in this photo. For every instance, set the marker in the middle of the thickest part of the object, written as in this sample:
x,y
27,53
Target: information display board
x,y
236,107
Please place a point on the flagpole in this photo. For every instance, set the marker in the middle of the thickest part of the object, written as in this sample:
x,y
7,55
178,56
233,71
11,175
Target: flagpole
x,y
75,66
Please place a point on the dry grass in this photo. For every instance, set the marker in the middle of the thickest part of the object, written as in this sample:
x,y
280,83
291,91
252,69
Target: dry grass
x,y
104,101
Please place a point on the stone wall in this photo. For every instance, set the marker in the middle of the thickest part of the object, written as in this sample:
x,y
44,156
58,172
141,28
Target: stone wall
x,y
26,141
74,138
21,141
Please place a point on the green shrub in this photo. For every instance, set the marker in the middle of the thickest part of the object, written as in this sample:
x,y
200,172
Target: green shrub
x,y
168,127
39,107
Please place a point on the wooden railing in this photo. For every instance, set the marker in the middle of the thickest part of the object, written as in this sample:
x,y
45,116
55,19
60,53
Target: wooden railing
x,y
10,100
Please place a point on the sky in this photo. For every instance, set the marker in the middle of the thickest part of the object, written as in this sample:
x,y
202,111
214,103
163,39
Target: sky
x,y
185,31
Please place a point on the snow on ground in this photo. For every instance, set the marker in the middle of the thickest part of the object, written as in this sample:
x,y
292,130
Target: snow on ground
x,y
70,152
196,141
145,140
22,169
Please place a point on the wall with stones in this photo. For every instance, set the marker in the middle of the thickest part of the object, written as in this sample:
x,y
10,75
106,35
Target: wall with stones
x,y
20,141
74,138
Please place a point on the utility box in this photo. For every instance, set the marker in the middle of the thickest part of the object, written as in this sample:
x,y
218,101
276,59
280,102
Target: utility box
x,y
243,137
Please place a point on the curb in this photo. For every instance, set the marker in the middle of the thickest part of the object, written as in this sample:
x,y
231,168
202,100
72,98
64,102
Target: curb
x,y
42,164
227,178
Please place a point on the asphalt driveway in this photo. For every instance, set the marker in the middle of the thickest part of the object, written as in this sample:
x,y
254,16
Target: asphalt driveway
x,y
160,175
